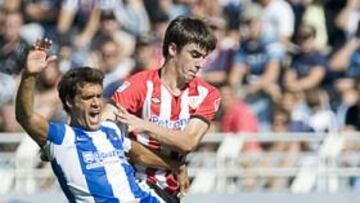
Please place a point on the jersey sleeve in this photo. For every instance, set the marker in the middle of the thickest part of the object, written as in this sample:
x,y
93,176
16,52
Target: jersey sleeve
x,y
208,108
130,94
56,137
56,133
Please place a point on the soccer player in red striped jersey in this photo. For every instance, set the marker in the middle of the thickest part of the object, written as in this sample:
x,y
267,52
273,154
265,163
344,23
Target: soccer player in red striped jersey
x,y
169,109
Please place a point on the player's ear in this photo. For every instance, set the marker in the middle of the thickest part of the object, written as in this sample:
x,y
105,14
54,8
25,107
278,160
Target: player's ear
x,y
69,102
172,49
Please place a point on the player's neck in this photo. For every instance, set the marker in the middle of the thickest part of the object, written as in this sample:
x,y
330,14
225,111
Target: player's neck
x,y
170,79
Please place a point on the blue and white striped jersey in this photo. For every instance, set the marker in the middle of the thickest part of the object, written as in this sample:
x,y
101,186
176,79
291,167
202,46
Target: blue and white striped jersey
x,y
91,165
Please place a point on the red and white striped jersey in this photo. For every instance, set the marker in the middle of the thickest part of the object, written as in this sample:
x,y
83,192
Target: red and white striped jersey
x,y
144,95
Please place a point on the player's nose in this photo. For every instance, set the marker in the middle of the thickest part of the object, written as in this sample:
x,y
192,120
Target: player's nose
x,y
200,63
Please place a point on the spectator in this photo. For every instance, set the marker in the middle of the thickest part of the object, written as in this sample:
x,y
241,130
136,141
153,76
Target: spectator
x,y
40,17
219,62
280,123
308,67
336,32
146,54
110,27
347,58
322,118
349,17
278,20
295,105
344,64
115,66
352,116
256,67
7,87
237,116
74,15
132,16
13,47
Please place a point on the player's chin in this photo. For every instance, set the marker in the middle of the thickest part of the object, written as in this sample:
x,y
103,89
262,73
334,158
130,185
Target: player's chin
x,y
189,78
93,126
93,123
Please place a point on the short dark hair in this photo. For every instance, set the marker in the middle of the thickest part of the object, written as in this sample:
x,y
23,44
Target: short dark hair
x,y
75,78
185,30
305,32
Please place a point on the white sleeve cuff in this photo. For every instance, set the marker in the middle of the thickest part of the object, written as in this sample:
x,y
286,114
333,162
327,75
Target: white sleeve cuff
x,y
127,145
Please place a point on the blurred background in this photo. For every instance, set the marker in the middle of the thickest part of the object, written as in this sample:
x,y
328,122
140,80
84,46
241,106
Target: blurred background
x,y
288,72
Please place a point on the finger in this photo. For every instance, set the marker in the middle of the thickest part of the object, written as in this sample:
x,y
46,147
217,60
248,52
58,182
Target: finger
x,y
119,113
123,112
121,108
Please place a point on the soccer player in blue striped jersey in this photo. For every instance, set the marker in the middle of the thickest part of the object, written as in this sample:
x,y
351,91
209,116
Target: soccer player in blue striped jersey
x,y
87,155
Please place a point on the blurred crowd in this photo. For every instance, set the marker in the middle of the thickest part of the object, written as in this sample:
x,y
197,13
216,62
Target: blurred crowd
x,y
280,65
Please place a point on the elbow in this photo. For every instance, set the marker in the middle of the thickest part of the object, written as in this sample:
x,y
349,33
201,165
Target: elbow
x,y
187,147
21,117
18,116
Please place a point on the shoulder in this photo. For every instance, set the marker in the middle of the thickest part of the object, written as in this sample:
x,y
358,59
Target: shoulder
x,y
199,87
199,82
139,80
60,133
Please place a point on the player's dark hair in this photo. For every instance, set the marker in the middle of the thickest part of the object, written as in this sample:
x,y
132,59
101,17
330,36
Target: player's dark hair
x,y
185,30
75,78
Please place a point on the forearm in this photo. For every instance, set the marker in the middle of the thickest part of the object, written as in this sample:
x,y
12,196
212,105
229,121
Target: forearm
x,y
91,27
174,139
237,75
66,18
146,157
340,60
25,98
183,141
34,124
308,83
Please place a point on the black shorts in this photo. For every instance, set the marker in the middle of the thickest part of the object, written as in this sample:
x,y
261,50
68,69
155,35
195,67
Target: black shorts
x,y
165,195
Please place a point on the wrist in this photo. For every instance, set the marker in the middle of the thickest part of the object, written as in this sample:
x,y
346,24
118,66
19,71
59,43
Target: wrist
x,y
146,126
26,73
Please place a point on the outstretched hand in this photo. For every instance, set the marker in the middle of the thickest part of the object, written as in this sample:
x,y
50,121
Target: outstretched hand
x,y
37,59
133,123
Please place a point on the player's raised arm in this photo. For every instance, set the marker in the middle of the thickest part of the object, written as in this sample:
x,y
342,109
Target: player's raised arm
x,y
33,123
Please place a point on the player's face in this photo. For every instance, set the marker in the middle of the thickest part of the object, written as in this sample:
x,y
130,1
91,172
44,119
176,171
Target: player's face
x,y
189,61
87,106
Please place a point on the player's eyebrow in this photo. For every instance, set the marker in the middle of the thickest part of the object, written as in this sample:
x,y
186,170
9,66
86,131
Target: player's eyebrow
x,y
196,53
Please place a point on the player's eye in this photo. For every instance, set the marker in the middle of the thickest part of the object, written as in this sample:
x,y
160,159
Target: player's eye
x,y
86,97
196,54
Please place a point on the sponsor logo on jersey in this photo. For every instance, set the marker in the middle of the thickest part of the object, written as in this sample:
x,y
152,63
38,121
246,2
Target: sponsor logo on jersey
x,y
170,124
100,159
